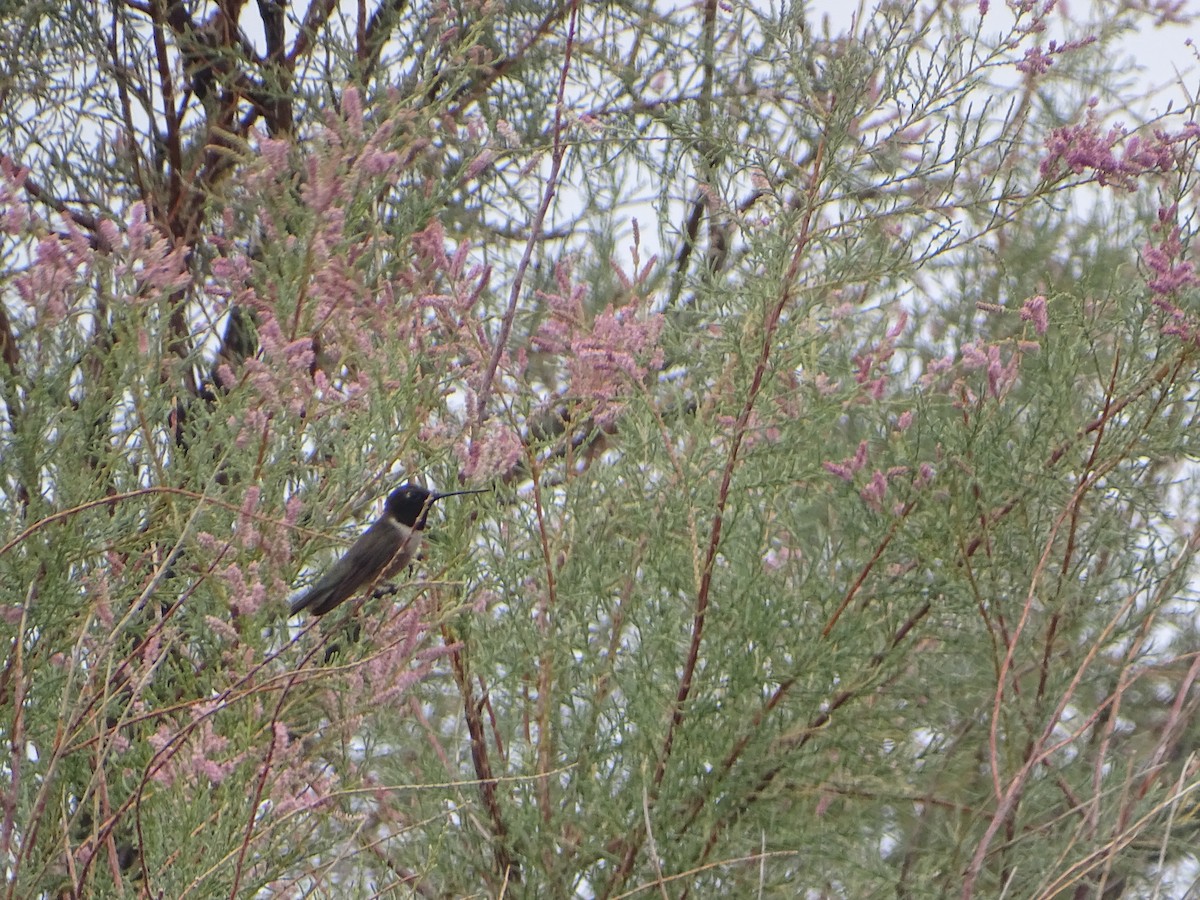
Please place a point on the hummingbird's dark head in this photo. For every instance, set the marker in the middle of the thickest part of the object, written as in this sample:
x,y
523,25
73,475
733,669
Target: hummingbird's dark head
x,y
409,504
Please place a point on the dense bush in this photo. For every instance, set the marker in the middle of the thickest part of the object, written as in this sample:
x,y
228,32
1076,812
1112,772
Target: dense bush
x,y
836,391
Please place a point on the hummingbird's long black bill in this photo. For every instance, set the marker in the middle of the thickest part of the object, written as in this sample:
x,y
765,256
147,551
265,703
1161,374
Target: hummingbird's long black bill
x,y
438,496
435,496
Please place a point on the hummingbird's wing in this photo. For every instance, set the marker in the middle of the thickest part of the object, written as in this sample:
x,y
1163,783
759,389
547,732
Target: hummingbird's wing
x,y
364,563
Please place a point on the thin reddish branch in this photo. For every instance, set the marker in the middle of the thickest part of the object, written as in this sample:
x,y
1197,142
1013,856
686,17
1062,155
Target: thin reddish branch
x,y
893,530
739,434
256,800
1182,712
371,37
557,154
78,217
545,674
1010,795
506,864
10,352
1164,373
317,15
172,137
800,739
1069,552
471,95
110,845
684,690
14,674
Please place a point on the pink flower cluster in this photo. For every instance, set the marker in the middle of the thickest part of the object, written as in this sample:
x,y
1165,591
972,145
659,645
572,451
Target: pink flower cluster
x,y
1113,158
1169,275
605,355
1037,61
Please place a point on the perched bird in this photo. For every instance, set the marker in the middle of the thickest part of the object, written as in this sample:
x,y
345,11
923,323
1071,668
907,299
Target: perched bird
x,y
382,551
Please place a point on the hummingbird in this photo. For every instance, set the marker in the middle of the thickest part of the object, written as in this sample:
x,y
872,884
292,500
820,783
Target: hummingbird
x,y
382,551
